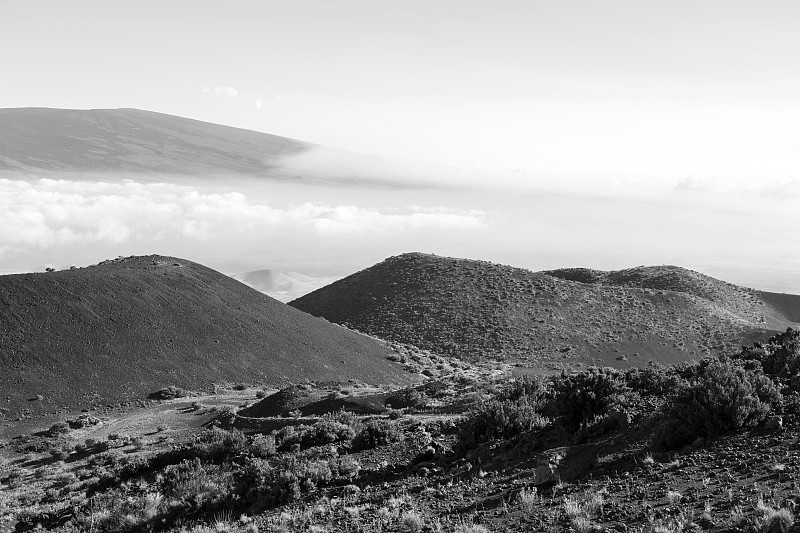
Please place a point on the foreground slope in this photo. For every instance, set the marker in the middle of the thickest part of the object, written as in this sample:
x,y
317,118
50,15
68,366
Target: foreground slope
x,y
124,328
475,308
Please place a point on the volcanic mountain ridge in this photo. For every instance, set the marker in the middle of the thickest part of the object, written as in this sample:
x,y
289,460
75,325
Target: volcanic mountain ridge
x,y
474,309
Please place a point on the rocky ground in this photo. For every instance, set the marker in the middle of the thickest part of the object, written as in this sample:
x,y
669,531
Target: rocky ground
x,y
470,450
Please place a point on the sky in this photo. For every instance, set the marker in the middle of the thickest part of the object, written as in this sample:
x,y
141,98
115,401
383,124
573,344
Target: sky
x,y
572,133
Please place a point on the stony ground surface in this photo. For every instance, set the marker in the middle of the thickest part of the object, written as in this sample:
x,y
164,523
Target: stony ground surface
x,y
423,481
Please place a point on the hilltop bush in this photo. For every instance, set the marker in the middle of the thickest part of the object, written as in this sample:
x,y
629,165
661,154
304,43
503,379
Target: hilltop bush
x,y
726,395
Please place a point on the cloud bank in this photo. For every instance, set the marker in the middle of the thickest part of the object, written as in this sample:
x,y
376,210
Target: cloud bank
x,y
47,212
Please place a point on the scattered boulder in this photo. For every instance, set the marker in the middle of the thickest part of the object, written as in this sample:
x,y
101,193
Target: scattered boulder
x,y
773,423
565,463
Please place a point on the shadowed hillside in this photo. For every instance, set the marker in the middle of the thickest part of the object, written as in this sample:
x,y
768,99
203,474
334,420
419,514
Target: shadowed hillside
x,y
127,327
475,308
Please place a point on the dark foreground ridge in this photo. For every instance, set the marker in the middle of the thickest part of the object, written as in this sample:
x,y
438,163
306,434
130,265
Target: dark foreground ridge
x,y
625,318
125,328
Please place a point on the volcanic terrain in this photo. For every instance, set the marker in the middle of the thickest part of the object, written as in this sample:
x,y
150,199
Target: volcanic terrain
x,y
127,327
478,309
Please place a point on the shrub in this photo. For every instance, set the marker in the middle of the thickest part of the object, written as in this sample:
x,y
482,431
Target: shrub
x,y
523,387
217,445
196,485
725,396
655,380
116,511
500,419
268,483
580,397
331,428
169,393
376,433
59,453
262,446
407,398
780,356
59,428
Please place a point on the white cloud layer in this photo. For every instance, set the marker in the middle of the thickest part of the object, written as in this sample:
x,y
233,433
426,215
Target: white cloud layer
x,y
221,91
48,212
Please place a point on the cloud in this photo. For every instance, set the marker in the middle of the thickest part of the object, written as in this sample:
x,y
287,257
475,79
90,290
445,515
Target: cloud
x,y
259,103
786,188
221,91
693,183
47,212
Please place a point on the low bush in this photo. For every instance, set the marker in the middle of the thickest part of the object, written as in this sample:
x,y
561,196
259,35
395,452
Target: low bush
x,y
331,428
407,398
267,483
376,433
217,445
726,395
654,380
579,398
500,419
780,356
169,393
196,485
262,446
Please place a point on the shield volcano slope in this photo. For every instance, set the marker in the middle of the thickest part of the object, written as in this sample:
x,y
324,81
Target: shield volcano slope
x,y
131,140
473,308
122,329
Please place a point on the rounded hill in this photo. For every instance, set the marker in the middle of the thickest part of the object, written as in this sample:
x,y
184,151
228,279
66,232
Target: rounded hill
x,y
473,308
124,328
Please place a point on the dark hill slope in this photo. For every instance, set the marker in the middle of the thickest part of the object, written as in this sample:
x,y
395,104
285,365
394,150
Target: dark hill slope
x,y
131,140
127,327
472,308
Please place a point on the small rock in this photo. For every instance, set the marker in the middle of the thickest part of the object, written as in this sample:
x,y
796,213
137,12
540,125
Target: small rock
x,y
773,423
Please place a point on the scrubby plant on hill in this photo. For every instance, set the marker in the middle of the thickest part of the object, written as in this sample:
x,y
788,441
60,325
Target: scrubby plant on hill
x,y
511,410
581,397
779,356
725,395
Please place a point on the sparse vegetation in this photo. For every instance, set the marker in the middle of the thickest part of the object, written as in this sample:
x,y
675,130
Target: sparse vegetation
x,y
705,445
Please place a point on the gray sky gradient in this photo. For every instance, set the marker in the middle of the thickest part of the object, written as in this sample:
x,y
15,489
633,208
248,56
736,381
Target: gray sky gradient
x,y
609,133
